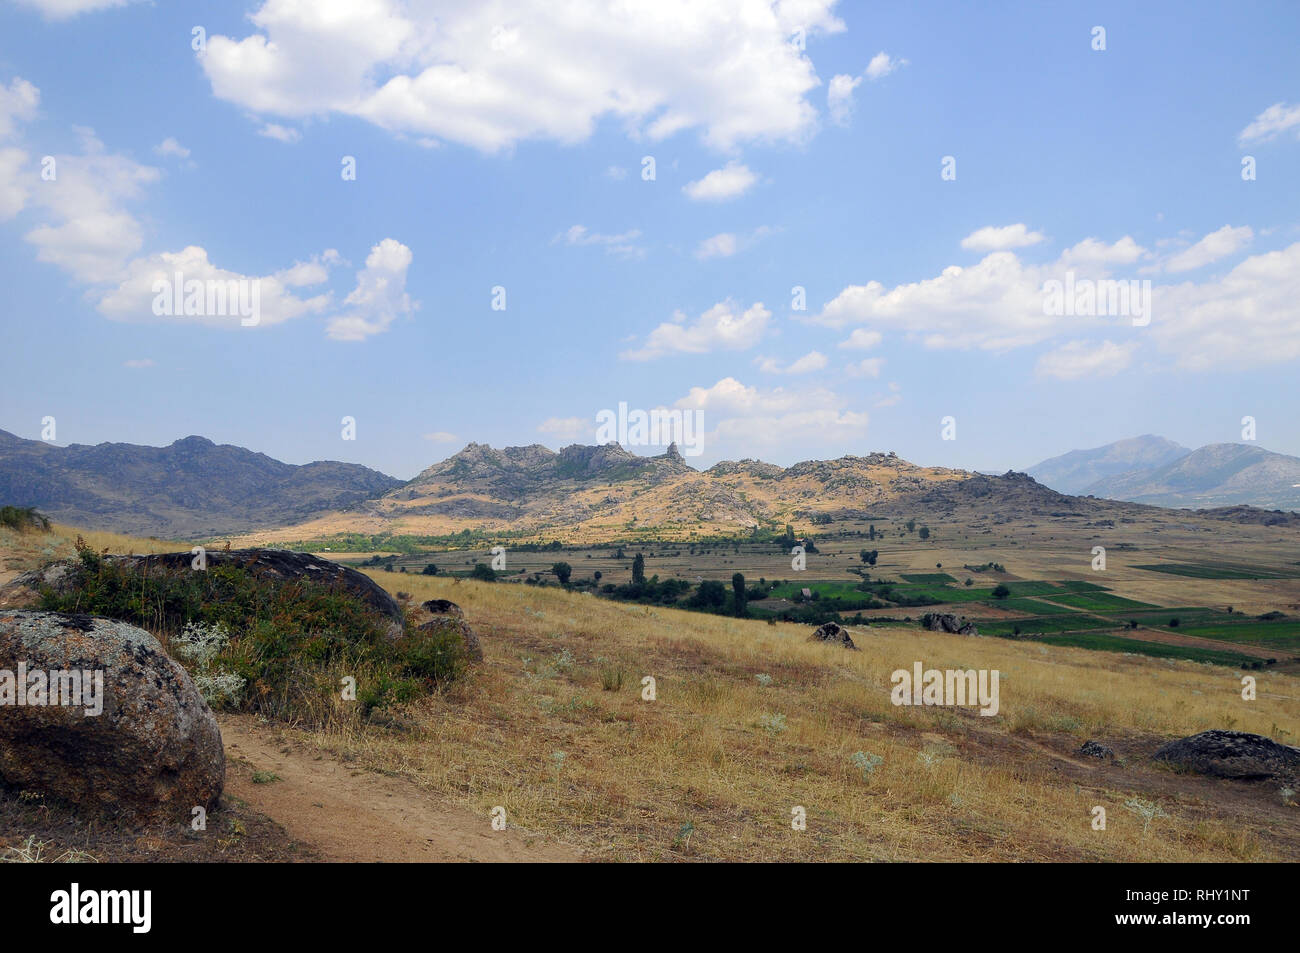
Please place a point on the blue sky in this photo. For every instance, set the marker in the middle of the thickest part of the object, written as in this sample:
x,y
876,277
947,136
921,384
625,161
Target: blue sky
x,y
502,145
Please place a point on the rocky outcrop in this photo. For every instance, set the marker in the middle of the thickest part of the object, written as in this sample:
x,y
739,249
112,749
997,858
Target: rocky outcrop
x,y
835,634
442,615
278,564
947,622
119,727
1232,754
1095,749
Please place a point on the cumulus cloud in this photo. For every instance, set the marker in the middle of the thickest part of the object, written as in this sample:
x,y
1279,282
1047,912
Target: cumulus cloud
x,y
882,65
380,295
861,339
1218,244
64,9
169,147
726,244
868,367
839,97
731,181
747,417
273,130
1078,359
721,328
992,238
490,75
18,102
566,428
812,361
1271,123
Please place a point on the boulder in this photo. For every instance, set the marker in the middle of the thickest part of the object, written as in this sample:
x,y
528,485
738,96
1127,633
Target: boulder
x,y
138,739
1095,749
442,614
947,622
834,633
24,590
1232,754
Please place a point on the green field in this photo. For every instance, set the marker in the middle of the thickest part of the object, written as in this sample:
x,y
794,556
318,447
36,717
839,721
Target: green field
x,y
1281,634
928,577
1057,623
1218,571
1032,606
1112,643
1100,602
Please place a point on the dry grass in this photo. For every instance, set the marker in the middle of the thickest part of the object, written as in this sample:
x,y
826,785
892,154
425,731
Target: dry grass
x,y
714,766
31,550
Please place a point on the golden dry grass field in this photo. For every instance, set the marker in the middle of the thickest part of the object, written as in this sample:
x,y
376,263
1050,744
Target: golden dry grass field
x,y
553,728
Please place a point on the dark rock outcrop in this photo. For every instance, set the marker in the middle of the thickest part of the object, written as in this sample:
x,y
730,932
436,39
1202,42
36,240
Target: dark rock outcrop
x,y
1232,754
835,634
1095,749
947,622
153,748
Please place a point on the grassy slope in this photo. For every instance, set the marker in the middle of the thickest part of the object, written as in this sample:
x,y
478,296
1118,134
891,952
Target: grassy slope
x,y
634,774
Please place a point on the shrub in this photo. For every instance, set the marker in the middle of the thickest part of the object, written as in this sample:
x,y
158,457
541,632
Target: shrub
x,y
24,518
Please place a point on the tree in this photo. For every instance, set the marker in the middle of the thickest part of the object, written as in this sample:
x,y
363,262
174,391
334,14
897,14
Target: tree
x,y
596,575
871,557
738,588
864,554
1001,591
429,570
483,571
710,594
871,532
925,532
911,525
638,569
562,572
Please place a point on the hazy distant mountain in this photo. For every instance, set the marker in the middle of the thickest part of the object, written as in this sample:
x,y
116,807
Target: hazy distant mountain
x,y
1073,472
1220,474
192,488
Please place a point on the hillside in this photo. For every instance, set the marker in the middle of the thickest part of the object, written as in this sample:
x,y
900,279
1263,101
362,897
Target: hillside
x,y
1217,475
1073,472
193,487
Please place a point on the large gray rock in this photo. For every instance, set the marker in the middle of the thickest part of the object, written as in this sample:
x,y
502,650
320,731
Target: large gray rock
x,y
947,622
24,590
154,749
444,615
833,633
1232,754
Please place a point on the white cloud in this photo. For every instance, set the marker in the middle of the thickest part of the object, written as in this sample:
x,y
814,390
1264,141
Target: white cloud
x,y
441,436
63,9
170,147
882,65
566,428
894,397
138,362
1248,318
868,367
992,238
861,339
839,97
490,75
379,297
1218,244
273,130
719,246
18,101
812,361
719,328
1079,359
132,300
1094,253
721,185
747,417
623,245
1272,122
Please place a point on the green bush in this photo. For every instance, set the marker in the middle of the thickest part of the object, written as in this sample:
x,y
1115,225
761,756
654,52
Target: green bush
x,y
24,518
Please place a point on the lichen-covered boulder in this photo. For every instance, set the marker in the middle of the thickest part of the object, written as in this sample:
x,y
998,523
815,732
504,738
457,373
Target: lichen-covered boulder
x,y
118,726
947,622
1232,754
835,634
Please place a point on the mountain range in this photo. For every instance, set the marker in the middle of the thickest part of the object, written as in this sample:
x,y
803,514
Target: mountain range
x,y
1159,472
195,488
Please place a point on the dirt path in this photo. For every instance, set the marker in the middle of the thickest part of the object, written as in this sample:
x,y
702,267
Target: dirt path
x,y
351,815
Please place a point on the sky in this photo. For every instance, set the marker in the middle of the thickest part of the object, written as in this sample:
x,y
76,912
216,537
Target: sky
x,y
818,228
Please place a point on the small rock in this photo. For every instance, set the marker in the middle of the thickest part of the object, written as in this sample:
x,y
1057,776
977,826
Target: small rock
x,y
443,614
1095,749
